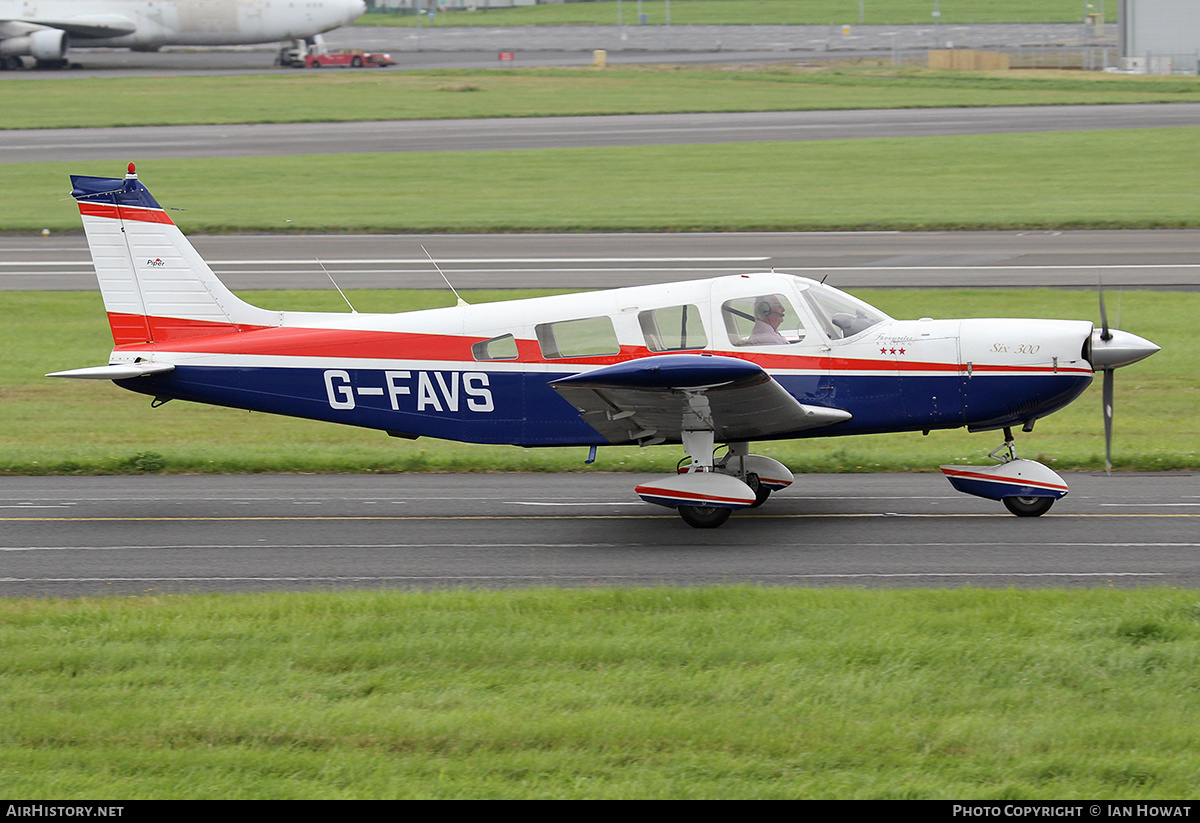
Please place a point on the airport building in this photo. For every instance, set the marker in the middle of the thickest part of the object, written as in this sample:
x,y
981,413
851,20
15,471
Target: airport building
x,y
1159,36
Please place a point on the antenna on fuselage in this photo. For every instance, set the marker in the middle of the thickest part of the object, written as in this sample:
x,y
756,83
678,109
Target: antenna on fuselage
x,y
457,296
336,286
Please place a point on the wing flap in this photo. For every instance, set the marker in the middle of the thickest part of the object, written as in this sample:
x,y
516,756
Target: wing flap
x,y
654,399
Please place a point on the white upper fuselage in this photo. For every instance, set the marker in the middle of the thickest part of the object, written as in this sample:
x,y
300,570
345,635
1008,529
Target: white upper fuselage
x,y
180,22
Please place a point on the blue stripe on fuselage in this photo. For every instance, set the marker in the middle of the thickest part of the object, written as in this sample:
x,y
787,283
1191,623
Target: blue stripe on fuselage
x,y
519,408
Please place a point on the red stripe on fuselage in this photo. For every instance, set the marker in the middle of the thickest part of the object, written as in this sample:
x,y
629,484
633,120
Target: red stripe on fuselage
x,y
223,338
220,338
125,213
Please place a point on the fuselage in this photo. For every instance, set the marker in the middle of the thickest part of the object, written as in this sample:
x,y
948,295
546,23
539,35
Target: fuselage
x,y
481,373
184,22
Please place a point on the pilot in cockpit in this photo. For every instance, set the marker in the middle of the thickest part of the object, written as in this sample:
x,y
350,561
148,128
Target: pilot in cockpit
x,y
768,314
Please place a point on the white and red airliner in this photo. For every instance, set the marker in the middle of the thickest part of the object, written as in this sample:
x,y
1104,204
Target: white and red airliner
x,y
706,363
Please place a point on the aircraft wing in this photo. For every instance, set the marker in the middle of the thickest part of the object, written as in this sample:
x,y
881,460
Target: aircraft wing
x,y
82,25
657,398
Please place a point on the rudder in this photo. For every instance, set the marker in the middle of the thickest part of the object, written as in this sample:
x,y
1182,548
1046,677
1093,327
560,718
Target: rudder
x,y
156,286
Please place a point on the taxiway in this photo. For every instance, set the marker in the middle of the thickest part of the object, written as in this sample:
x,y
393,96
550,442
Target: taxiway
x,y
77,536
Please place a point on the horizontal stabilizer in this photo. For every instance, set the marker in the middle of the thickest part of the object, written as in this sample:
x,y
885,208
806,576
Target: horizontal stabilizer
x,y
122,371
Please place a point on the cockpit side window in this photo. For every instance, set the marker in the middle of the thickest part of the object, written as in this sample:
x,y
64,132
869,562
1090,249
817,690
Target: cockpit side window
x,y
674,328
762,320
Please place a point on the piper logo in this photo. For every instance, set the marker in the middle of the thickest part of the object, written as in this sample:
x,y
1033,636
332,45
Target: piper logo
x,y
156,263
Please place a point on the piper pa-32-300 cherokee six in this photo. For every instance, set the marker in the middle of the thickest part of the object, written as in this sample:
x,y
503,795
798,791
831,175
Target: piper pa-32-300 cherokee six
x,y
723,361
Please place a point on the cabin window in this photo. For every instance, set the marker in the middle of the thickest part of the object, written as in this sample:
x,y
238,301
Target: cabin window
x,y
589,337
675,328
503,347
762,320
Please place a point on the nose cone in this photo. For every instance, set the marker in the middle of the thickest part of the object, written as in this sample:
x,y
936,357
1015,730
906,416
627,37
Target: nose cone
x,y
1120,349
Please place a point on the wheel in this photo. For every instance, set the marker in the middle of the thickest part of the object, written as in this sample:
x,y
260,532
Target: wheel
x,y
1028,506
704,517
356,62
761,492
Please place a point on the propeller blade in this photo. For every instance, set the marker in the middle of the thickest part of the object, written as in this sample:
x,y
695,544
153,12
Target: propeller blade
x,y
1108,419
1105,334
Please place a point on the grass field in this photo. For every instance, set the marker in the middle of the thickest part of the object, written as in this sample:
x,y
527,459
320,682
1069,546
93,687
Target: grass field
x,y
52,101
1053,180
81,427
761,12
671,693
662,693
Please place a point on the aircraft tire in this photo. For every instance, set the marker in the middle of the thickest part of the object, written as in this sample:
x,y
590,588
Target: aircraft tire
x,y
1028,506
761,492
704,517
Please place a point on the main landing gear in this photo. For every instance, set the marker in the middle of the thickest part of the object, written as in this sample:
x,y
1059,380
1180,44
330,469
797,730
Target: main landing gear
x,y
1025,487
707,491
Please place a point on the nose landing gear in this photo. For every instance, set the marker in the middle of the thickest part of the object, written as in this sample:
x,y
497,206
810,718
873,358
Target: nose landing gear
x,y
1025,487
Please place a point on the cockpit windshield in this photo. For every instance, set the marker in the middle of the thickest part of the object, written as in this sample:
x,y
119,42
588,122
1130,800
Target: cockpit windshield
x,y
841,315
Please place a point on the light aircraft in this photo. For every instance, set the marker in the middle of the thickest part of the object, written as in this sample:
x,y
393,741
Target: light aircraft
x,y
45,29
723,361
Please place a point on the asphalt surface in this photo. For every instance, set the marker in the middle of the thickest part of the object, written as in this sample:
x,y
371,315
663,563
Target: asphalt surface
x,y
1081,259
490,134
78,536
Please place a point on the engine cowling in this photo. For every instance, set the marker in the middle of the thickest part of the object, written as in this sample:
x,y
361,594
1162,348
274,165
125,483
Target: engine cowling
x,y
48,44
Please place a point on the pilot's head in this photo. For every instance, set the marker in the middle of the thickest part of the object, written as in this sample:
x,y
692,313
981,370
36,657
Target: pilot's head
x,y
769,310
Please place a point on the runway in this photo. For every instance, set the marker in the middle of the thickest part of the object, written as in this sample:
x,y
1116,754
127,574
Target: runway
x,y
1076,259
68,536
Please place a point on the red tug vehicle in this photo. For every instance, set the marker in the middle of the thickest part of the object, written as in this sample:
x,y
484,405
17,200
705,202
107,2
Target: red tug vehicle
x,y
301,55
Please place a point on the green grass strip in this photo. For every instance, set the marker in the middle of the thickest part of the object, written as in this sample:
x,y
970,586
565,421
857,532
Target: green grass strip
x,y
84,427
655,693
1054,180
52,101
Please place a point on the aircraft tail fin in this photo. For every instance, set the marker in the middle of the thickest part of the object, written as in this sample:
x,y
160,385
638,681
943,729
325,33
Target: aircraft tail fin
x,y
156,286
